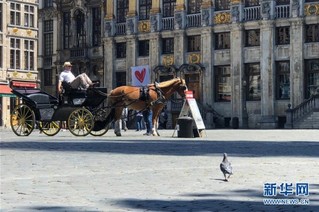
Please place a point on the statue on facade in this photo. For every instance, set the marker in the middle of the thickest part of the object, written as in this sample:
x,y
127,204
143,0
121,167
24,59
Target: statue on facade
x,y
178,20
235,13
295,8
153,23
107,29
130,26
205,17
266,10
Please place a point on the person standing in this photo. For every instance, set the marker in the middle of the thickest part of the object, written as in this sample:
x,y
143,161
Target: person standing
x,y
81,81
163,119
147,115
124,118
139,117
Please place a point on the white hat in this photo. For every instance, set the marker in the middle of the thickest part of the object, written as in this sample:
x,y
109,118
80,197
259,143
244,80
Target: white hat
x,y
67,64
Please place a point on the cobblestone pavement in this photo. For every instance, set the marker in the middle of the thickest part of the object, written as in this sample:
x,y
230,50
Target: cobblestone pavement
x,y
143,173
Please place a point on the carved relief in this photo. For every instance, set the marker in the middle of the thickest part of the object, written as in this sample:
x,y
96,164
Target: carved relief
x,y
312,9
168,60
130,26
265,10
235,13
153,23
144,26
194,58
222,18
178,20
205,17
107,29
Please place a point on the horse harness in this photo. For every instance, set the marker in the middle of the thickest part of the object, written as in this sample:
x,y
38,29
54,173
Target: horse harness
x,y
145,94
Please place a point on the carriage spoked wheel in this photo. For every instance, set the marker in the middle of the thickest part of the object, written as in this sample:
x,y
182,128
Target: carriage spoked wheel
x,y
50,128
22,120
80,122
98,131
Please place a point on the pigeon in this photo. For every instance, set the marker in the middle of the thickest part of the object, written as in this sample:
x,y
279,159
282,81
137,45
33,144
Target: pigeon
x,y
225,167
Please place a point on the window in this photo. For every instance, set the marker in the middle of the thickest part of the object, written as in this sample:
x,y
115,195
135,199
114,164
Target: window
x,y
169,8
223,84
48,37
96,29
312,33
143,48
282,35
121,50
28,55
222,5
80,29
121,11
1,22
312,77
168,45
253,85
15,53
252,37
283,80
67,30
193,43
15,14
193,6
282,2
251,3
222,40
47,77
28,16
48,3
144,9
120,78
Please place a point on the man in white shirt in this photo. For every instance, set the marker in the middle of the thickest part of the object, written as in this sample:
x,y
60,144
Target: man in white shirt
x,y
81,81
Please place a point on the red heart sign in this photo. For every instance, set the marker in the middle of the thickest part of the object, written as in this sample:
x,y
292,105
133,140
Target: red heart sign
x,y
140,75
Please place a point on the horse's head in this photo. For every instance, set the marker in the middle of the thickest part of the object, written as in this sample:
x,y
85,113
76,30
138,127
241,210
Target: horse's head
x,y
181,87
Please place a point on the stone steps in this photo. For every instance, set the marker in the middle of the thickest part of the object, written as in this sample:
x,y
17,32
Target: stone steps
x,y
310,121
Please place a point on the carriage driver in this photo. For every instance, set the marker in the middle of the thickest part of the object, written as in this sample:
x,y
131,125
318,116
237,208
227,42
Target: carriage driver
x,y
81,81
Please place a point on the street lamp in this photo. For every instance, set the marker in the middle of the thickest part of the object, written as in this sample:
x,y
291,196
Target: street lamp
x,y
244,106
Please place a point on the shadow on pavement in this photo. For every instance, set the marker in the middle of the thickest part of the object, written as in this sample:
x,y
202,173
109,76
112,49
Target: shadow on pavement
x,y
178,148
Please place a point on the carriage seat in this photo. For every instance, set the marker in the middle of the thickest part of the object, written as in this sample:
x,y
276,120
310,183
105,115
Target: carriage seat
x,y
73,96
40,100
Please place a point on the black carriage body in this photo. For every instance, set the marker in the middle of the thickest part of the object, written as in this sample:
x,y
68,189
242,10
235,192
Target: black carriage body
x,y
49,108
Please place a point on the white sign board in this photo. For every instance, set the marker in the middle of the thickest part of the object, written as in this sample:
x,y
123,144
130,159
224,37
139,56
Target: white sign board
x,y
140,75
196,114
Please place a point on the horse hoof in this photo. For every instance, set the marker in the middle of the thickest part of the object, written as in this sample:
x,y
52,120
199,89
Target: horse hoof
x,y
118,134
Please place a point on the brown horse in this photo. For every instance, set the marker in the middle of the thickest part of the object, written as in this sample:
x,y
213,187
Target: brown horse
x,y
154,98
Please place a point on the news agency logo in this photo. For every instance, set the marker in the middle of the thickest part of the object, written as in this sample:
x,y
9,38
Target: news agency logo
x,y
298,190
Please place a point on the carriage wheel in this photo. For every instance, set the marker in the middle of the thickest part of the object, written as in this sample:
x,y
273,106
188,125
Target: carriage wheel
x,y
50,128
100,132
80,122
22,120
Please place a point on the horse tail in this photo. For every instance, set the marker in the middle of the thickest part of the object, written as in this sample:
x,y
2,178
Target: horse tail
x,y
110,116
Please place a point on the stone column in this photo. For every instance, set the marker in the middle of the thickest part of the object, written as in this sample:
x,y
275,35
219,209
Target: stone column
x,y
207,74
154,57
131,55
267,74
109,57
237,72
156,16
179,47
296,61
180,15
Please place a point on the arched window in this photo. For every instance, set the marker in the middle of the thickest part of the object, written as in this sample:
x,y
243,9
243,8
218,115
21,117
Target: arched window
x,y
80,29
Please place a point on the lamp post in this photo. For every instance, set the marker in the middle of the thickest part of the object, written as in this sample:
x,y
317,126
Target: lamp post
x,y
244,106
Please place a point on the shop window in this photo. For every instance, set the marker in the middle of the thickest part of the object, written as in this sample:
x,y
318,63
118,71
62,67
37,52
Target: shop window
x,y
312,77
223,83
283,80
253,82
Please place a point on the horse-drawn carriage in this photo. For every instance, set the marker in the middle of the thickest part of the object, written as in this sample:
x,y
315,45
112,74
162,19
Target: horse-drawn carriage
x,y
84,111
81,110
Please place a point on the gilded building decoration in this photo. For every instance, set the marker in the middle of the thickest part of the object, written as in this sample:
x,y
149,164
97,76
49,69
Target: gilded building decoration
x,y
144,26
235,1
29,32
194,58
222,18
312,9
168,60
15,30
